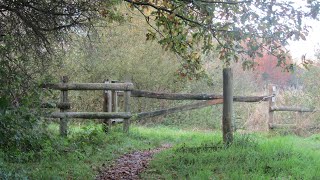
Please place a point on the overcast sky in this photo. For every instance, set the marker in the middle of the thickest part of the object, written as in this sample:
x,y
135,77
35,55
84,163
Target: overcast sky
x,y
308,47
299,48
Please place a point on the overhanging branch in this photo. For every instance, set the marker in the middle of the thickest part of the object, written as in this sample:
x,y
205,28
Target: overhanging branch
x,y
223,2
165,10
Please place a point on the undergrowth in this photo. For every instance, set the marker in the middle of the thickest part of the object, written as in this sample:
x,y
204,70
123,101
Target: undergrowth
x,y
194,155
249,157
79,156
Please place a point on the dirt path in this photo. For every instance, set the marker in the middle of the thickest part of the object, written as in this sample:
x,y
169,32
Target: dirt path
x,y
130,165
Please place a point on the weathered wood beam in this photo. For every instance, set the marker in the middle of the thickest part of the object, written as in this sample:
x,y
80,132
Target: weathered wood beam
x,y
113,121
188,96
107,107
227,106
174,96
250,98
102,115
126,122
89,115
90,86
296,109
197,105
64,100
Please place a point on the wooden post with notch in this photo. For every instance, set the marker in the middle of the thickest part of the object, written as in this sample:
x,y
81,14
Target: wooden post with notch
x,y
272,100
64,100
107,107
126,122
227,106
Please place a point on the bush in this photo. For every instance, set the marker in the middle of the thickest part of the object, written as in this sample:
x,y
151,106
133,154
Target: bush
x,y
22,132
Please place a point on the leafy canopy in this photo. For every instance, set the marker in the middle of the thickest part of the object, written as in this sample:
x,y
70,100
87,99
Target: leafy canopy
x,y
241,29
231,29
32,31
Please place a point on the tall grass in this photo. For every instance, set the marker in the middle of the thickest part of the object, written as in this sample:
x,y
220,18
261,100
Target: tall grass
x,y
249,157
87,149
194,155
79,156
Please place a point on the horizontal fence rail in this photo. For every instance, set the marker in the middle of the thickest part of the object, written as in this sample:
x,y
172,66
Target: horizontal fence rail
x,y
187,96
90,86
273,108
90,115
295,109
179,109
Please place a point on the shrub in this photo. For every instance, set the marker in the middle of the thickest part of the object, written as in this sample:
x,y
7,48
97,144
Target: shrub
x,y
22,131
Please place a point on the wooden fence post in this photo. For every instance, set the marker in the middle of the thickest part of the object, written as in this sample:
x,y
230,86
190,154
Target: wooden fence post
x,y
227,106
64,100
126,123
107,107
114,99
272,100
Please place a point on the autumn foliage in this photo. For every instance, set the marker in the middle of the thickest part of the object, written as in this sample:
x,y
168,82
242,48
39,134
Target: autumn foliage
x,y
268,71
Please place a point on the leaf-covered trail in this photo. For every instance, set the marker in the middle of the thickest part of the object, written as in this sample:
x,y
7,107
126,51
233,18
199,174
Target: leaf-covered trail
x,y
130,165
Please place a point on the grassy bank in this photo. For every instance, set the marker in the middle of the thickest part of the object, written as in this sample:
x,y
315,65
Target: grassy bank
x,y
85,150
195,155
250,157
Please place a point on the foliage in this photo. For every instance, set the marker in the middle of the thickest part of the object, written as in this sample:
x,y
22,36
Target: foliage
x,y
31,36
243,29
121,53
21,129
86,150
267,71
245,84
194,155
29,32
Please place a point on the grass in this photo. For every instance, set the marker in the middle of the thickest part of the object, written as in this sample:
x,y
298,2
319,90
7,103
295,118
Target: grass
x,y
77,157
249,157
84,151
195,155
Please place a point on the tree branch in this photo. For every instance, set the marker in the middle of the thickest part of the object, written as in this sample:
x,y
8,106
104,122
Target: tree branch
x,y
206,26
223,2
165,10
148,20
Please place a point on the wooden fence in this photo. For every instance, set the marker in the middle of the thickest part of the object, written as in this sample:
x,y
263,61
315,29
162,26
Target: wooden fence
x,y
113,89
273,108
64,104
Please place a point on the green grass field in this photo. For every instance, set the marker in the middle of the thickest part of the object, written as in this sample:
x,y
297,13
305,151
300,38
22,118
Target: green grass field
x,y
195,155
250,157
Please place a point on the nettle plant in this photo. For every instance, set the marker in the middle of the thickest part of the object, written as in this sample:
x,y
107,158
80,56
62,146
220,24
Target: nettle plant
x,y
234,30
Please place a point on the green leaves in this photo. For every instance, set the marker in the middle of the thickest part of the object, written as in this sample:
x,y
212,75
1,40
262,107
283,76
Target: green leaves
x,y
4,104
232,26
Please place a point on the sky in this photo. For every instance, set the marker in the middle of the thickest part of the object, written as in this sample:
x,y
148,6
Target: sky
x,y
308,47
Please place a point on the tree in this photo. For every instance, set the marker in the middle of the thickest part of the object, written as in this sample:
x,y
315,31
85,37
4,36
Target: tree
x,y
31,32
242,29
267,71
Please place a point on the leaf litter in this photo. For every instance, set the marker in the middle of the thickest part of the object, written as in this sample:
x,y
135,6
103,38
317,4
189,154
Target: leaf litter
x,y
129,166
